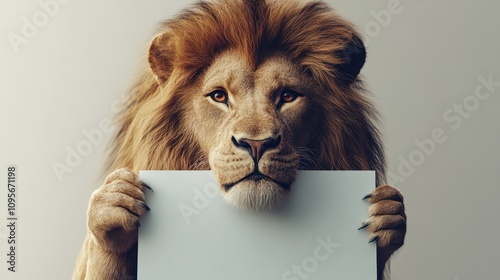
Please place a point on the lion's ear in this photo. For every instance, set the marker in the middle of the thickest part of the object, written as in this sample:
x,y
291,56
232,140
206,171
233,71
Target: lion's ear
x,y
161,56
354,56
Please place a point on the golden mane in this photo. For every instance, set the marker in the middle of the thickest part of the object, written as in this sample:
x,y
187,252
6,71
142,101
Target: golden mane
x,y
152,133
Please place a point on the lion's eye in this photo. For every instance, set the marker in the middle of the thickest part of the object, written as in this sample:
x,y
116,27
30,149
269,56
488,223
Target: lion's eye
x,y
288,96
219,96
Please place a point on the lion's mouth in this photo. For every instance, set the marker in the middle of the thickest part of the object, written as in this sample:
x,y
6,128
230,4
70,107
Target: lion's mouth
x,y
257,176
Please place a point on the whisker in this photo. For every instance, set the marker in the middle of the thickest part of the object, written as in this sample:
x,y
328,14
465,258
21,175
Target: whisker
x,y
306,158
200,164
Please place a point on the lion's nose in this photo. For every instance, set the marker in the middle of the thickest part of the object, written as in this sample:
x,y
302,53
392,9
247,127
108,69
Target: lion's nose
x,y
257,148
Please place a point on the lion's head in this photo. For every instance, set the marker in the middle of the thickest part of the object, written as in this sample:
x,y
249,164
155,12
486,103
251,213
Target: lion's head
x,y
253,90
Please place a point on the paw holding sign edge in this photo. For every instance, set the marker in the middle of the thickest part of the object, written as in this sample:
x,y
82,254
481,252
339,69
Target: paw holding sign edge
x,y
386,222
114,211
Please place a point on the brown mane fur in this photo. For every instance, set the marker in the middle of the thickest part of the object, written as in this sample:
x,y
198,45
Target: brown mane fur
x,y
152,132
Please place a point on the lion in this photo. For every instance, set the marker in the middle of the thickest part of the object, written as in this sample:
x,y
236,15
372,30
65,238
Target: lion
x,y
254,91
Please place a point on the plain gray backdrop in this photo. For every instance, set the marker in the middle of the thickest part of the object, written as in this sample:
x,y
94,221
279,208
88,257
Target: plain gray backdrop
x,y
64,68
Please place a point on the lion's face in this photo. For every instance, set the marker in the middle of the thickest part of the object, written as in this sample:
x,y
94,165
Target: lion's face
x,y
252,90
252,124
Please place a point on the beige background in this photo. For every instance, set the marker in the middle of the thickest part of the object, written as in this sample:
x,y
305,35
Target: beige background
x,y
68,76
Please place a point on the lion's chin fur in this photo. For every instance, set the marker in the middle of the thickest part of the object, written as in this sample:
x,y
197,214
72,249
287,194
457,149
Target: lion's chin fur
x,y
256,195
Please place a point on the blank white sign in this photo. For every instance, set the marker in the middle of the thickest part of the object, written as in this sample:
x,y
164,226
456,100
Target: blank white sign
x,y
192,234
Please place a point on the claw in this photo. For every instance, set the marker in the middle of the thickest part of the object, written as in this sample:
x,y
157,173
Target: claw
x,y
363,225
367,196
146,207
373,239
146,186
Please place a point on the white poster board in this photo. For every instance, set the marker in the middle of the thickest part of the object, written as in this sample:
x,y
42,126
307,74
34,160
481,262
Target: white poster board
x,y
192,234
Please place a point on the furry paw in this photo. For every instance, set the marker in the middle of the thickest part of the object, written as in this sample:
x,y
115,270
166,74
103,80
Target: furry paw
x,y
114,210
387,221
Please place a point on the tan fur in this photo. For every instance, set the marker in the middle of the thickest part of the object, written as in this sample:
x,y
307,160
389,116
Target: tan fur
x,y
255,52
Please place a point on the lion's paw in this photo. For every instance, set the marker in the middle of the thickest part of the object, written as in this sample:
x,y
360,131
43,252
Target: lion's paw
x,y
387,221
114,211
